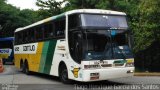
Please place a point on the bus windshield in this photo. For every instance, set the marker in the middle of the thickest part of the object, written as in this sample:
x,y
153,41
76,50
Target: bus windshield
x,y
102,45
98,36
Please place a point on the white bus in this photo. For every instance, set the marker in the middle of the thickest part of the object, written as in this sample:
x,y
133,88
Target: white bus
x,y
82,45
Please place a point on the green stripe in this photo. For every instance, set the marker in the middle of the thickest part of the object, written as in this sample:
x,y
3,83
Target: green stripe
x,y
49,58
43,56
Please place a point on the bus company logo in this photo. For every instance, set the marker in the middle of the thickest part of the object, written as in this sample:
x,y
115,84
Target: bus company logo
x,y
4,51
75,72
29,48
26,49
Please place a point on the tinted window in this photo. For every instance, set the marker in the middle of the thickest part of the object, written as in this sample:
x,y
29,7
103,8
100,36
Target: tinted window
x,y
73,21
39,33
105,21
60,28
31,36
49,30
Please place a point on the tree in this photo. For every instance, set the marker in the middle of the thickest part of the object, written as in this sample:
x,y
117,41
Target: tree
x,y
52,6
147,34
12,18
80,4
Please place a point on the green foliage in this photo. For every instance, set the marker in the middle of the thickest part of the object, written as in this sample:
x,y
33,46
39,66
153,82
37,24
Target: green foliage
x,y
12,18
52,6
147,27
79,4
8,18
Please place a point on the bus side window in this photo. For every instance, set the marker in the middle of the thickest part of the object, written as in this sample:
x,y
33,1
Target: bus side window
x,y
24,37
48,32
20,37
39,33
60,28
31,35
26,33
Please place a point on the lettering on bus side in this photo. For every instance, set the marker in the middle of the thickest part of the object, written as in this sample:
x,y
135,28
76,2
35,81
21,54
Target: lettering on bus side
x,y
16,49
29,48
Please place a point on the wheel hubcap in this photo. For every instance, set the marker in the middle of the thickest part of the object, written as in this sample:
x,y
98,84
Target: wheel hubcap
x,y
64,75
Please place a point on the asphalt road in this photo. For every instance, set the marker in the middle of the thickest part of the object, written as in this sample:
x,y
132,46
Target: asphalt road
x,y
12,78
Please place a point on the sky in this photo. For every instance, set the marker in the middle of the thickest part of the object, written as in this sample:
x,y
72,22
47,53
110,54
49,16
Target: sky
x,y
25,4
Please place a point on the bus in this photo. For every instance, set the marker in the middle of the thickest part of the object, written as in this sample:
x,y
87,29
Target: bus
x,y
83,45
6,50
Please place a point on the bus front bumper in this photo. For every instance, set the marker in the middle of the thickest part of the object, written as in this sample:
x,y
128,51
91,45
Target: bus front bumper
x,y
106,74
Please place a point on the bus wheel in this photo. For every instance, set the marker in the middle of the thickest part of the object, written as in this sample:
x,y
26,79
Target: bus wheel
x,y
26,68
21,66
64,75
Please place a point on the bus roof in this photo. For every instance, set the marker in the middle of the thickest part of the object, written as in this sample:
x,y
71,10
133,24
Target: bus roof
x,y
7,39
94,11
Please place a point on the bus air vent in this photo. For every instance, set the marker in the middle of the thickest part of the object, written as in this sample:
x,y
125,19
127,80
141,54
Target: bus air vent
x,y
106,65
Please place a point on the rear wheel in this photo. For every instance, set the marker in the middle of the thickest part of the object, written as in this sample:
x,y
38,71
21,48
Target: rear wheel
x,y
21,66
64,75
26,68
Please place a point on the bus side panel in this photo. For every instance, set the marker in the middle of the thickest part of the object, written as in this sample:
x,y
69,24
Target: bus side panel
x,y
50,55
61,54
18,58
39,61
47,56
34,59
57,59
43,57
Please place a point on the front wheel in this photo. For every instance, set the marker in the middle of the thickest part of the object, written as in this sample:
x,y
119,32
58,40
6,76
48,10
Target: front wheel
x,y
64,75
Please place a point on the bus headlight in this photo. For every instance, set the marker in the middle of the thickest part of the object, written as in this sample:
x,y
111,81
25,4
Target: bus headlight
x,y
94,76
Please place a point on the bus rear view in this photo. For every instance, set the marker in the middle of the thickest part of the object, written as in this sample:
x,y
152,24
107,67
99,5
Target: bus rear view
x,y
100,44
6,50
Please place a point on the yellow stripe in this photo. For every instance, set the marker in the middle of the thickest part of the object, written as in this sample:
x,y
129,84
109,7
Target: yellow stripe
x,y
36,58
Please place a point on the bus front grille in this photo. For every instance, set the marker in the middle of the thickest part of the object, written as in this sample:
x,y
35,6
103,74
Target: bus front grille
x,y
106,65
118,64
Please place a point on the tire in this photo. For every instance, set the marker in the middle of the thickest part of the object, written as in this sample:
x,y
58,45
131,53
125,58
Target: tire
x,y
21,66
64,75
26,68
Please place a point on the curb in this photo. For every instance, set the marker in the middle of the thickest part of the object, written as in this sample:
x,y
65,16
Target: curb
x,y
147,74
